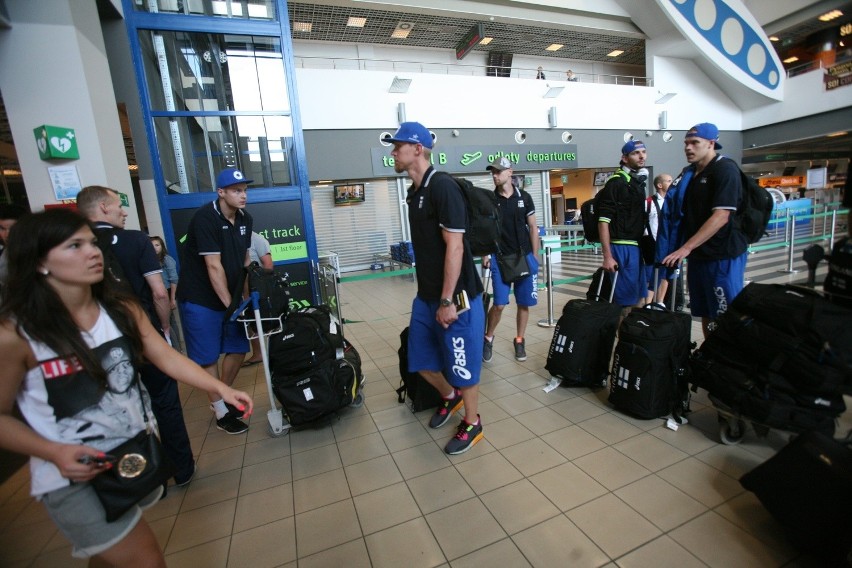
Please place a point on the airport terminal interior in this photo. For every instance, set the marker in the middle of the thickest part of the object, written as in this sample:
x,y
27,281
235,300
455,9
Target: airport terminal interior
x,y
561,478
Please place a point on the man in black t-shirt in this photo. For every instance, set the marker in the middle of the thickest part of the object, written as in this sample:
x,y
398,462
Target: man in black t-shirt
x,y
215,254
715,246
140,267
519,234
447,316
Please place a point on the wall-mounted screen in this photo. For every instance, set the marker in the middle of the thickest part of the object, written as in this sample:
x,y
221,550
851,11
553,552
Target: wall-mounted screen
x,y
349,194
601,177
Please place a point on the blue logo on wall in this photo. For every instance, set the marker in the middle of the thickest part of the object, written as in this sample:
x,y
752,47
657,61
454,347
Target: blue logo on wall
x,y
733,36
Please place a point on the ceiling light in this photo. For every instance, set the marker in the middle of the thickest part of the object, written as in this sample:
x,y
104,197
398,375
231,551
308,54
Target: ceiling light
x,y
302,27
791,59
615,53
399,85
664,98
402,30
774,38
554,47
828,16
486,40
356,22
553,92
834,134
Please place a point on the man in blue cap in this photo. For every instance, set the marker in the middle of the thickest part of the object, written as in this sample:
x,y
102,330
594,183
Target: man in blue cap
x,y
621,220
715,246
216,251
447,316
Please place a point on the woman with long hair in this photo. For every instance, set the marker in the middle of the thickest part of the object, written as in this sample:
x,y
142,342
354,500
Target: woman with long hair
x,y
65,331
170,280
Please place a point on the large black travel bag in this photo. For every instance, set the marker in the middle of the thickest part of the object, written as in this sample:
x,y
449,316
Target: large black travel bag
x,y
649,376
807,487
310,336
321,390
582,341
838,282
421,395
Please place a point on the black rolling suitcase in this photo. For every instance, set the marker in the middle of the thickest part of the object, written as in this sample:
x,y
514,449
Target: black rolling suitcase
x,y
583,339
649,368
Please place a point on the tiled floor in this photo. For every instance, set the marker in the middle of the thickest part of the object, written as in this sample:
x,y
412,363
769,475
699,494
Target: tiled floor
x,y
561,479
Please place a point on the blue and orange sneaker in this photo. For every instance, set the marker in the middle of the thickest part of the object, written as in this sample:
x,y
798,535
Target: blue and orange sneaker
x,y
465,438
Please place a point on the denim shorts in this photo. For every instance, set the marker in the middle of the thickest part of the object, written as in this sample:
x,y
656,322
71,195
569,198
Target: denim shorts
x,y
80,517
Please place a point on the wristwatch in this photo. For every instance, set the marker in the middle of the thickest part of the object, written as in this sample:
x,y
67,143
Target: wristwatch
x,y
446,302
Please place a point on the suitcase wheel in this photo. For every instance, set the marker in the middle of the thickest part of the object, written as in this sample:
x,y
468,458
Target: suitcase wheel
x,y
359,401
731,430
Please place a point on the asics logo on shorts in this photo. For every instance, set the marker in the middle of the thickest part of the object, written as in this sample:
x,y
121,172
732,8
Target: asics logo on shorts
x,y
721,300
460,359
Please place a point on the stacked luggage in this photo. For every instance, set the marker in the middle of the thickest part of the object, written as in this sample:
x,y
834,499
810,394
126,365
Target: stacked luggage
x,y
781,357
315,371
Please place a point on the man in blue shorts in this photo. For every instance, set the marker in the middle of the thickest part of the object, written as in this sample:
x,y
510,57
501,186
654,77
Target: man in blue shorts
x,y
447,316
215,254
519,234
715,246
621,221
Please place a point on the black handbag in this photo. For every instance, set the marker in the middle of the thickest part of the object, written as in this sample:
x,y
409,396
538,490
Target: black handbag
x,y
513,266
140,467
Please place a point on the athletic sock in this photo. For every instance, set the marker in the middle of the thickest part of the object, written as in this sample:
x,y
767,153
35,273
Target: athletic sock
x,y
219,409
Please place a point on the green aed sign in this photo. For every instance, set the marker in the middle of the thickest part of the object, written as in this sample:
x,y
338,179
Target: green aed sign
x,y
56,142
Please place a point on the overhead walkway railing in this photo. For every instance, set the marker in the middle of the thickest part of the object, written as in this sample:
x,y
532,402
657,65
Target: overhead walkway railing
x,y
552,75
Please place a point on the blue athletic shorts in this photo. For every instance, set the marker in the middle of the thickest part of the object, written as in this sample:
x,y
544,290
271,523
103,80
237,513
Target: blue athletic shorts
x,y
664,273
457,350
207,335
526,290
630,287
713,285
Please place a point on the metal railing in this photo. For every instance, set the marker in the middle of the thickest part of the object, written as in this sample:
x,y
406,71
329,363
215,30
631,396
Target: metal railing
x,y
552,75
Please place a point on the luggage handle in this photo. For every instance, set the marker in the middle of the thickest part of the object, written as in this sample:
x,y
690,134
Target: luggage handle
x,y
662,306
612,289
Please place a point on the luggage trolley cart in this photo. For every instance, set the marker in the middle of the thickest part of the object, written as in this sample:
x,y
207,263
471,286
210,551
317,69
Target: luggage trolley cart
x,y
275,415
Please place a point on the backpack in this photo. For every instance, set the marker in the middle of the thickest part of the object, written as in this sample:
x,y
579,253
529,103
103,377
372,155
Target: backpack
x,y
106,235
309,337
588,213
483,218
753,215
274,295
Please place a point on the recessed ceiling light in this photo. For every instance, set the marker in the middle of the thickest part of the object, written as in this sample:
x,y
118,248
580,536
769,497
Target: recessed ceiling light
x,y
615,53
402,30
356,22
302,27
554,47
834,134
774,38
791,59
828,16
486,40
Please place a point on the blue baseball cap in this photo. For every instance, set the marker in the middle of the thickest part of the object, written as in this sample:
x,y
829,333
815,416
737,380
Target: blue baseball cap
x,y
632,146
412,133
705,130
229,177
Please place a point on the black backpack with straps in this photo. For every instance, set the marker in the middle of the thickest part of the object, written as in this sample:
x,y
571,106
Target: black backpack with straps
x,y
483,217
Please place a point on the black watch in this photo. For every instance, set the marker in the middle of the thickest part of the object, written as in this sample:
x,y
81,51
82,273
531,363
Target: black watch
x,y
446,302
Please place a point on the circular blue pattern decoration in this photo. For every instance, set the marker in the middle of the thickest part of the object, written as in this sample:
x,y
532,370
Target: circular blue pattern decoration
x,y
734,38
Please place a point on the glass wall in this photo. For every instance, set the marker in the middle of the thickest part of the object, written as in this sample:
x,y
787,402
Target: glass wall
x,y
246,9
218,100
